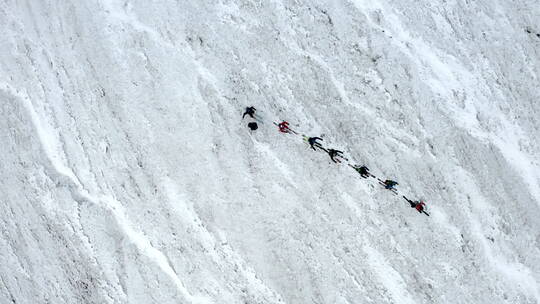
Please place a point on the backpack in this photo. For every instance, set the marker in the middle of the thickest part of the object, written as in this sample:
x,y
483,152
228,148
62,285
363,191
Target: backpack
x,y
253,126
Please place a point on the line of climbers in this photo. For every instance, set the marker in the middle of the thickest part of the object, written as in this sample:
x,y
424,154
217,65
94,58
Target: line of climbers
x,y
335,155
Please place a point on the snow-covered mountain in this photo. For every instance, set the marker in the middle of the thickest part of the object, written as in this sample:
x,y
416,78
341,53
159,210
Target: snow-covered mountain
x,y
128,175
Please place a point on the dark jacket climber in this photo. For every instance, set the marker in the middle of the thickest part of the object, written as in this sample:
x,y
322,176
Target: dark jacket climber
x,y
389,184
313,143
249,111
363,170
334,153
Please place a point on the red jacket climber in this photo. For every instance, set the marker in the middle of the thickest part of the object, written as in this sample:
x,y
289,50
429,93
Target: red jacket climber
x,y
284,127
420,206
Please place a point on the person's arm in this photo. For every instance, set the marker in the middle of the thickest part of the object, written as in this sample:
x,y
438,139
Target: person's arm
x,y
318,138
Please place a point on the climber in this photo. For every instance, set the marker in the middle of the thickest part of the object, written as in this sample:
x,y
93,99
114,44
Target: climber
x,y
363,170
313,142
420,206
284,127
389,184
335,153
249,111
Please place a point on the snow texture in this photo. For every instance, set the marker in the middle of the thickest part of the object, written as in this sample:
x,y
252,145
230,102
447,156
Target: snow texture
x,y
128,175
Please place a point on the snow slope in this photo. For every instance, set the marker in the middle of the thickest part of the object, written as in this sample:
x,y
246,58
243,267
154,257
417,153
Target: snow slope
x,y
129,177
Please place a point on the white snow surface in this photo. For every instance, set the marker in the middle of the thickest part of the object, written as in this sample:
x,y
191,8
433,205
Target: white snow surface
x,y
128,175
